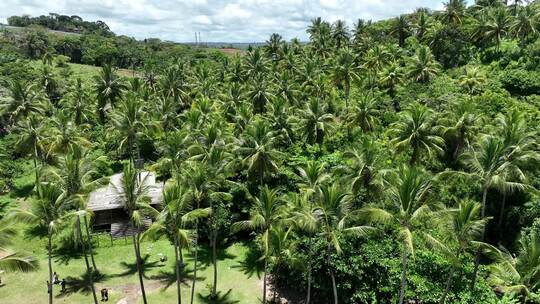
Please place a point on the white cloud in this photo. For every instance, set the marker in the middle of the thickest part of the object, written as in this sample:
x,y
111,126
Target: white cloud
x,y
217,20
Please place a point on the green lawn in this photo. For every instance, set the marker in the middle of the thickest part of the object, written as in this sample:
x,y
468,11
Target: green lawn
x,y
238,276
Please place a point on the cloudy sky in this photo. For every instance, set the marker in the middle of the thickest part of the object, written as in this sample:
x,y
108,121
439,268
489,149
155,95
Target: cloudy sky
x,y
217,20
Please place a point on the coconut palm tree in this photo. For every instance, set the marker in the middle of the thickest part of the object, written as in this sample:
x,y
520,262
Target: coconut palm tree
x,y
423,66
128,125
257,147
454,11
517,274
46,212
465,226
400,27
409,205
421,25
260,94
344,71
64,134
416,129
333,213
23,100
471,79
109,88
77,103
132,193
340,34
175,218
497,25
364,113
32,136
390,78
460,127
315,122
266,213
525,24
273,46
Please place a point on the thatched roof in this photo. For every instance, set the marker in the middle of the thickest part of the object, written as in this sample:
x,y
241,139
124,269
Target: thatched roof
x,y
109,197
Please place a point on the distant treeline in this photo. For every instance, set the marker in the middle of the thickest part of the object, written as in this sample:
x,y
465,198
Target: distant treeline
x,y
57,22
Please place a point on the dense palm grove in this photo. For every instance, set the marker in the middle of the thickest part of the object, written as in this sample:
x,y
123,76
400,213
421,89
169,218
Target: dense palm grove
x,y
396,161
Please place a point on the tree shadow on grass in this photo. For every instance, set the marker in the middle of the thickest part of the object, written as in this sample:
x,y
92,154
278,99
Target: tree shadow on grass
x,y
221,298
81,284
252,263
131,268
168,278
64,256
205,256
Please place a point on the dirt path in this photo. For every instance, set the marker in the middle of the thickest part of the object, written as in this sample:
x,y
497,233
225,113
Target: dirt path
x,y
132,291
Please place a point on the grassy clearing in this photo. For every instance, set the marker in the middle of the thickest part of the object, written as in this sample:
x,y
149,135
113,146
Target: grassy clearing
x,y
238,275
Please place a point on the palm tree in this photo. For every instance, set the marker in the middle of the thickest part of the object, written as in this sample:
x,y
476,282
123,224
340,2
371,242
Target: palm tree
x,y
32,135
421,25
460,127
454,11
364,113
46,212
128,125
23,100
273,46
423,65
524,24
77,103
177,214
390,78
344,71
517,274
471,79
132,193
409,205
340,34
64,134
465,226
315,122
497,26
416,129
257,147
400,27
363,169
266,213
486,163
11,260
260,95
108,88
333,212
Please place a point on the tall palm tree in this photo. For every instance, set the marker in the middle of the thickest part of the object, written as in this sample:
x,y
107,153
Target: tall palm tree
x,y
128,125
421,25
344,71
273,46
333,212
497,26
175,218
266,213
340,34
109,88
257,146
423,65
47,212
132,193
390,78
260,94
460,127
525,24
64,134
409,205
454,11
400,27
77,103
415,129
465,226
486,163
32,136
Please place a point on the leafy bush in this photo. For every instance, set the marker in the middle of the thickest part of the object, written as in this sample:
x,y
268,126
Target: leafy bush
x,y
521,82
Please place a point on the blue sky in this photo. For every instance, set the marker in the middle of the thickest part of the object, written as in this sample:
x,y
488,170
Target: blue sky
x,y
217,20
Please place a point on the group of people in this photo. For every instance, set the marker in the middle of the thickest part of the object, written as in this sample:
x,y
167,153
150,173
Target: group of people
x,y
56,280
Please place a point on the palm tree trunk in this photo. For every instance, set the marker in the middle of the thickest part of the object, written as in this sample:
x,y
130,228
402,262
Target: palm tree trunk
x,y
264,279
36,165
195,262
89,270
501,214
90,248
448,284
347,94
136,246
50,287
308,296
177,268
404,262
477,257
214,261
331,272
